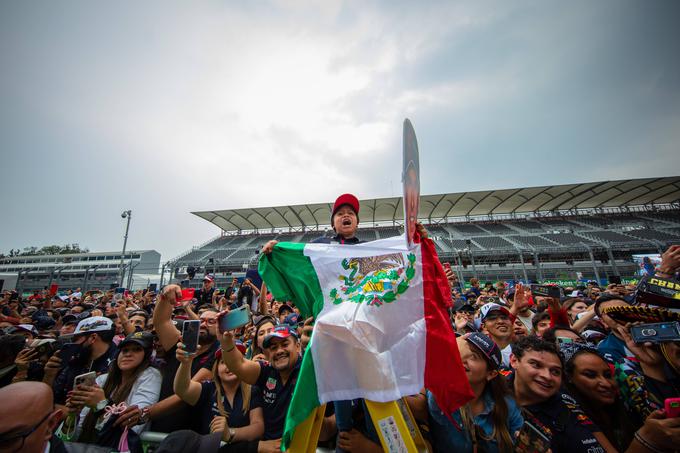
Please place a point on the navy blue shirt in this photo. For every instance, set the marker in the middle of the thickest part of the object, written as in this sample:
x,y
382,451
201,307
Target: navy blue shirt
x,y
561,419
206,407
182,419
337,239
275,397
63,383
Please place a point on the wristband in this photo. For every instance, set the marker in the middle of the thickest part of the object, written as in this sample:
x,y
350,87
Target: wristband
x,y
646,443
230,349
101,405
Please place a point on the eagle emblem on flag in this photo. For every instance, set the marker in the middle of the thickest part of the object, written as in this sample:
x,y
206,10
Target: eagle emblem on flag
x,y
375,280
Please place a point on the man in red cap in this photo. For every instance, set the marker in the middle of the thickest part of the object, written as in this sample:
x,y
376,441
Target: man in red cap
x,y
344,220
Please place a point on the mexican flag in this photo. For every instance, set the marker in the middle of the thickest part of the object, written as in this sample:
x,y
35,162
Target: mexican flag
x,y
381,328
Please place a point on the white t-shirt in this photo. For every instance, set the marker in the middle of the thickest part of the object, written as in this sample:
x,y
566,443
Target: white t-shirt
x,y
505,353
145,392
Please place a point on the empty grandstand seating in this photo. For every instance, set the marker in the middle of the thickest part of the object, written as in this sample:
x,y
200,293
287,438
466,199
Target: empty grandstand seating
x,y
388,232
460,244
366,235
217,243
568,239
655,235
438,231
533,241
467,229
195,255
493,242
557,224
220,254
310,236
497,228
529,225
243,254
609,236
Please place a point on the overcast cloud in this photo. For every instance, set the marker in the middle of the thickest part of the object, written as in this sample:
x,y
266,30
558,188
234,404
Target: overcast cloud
x,y
170,107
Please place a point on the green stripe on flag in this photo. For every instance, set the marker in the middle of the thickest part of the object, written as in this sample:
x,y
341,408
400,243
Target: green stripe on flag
x,y
301,285
290,275
305,399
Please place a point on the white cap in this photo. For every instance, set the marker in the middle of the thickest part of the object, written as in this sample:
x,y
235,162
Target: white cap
x,y
93,324
28,328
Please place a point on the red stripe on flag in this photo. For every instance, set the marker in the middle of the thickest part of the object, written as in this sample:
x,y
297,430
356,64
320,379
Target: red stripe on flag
x,y
444,372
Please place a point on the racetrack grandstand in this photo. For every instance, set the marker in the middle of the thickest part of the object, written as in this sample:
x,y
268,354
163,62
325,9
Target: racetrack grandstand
x,y
550,233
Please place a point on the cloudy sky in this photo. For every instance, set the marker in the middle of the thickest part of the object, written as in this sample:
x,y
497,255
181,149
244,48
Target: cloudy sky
x,y
170,107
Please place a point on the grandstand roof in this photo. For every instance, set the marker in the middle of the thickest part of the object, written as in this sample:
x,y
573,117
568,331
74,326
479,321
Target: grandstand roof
x,y
564,197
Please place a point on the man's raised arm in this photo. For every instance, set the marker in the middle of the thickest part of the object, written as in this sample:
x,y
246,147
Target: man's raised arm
x,y
246,370
162,316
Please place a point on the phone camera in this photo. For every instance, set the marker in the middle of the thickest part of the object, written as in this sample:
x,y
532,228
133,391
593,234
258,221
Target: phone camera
x,y
648,332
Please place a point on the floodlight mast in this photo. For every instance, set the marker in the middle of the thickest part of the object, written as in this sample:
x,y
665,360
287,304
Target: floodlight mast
x,y
126,214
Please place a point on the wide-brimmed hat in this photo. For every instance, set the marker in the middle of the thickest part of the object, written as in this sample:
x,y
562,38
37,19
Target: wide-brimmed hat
x,y
656,300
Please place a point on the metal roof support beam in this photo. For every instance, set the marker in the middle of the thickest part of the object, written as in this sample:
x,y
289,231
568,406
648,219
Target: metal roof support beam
x,y
453,205
530,199
297,216
429,217
283,217
504,200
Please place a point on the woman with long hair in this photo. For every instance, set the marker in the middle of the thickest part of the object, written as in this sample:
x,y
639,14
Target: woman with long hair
x,y
263,326
130,380
590,379
491,420
225,404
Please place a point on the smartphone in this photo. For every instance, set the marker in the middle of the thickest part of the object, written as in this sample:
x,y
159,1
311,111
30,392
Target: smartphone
x,y
659,332
190,330
546,291
672,407
87,379
230,320
118,295
492,299
45,348
187,294
531,439
68,351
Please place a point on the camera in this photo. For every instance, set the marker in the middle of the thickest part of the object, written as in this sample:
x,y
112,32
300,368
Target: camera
x,y
546,291
660,332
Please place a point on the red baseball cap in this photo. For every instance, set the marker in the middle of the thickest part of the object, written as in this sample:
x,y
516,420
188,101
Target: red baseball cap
x,y
346,199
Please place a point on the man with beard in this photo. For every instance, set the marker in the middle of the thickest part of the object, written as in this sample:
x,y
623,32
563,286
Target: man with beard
x,y
170,413
95,352
274,380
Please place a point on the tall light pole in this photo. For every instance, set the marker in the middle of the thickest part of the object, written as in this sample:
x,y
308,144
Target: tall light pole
x,y
126,215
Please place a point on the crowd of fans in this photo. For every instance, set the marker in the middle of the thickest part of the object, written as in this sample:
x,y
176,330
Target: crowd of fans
x,y
559,373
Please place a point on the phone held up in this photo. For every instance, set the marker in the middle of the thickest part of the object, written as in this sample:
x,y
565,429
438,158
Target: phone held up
x,y
68,351
659,332
190,331
552,291
230,320
86,379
